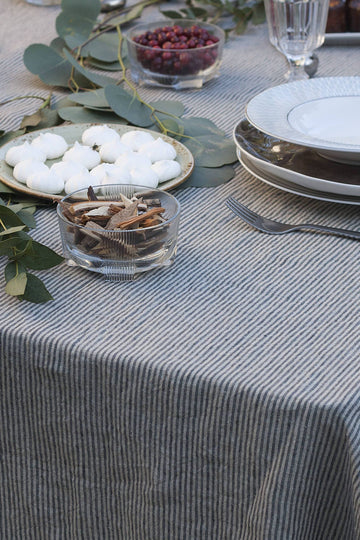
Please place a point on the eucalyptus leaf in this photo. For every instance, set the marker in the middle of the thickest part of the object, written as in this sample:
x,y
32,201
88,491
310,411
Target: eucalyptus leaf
x,y
58,44
12,269
77,19
128,106
9,218
99,80
5,189
209,177
49,118
95,98
12,230
7,246
105,66
172,14
104,48
27,217
197,126
134,13
45,62
16,286
80,115
211,151
173,107
40,257
35,290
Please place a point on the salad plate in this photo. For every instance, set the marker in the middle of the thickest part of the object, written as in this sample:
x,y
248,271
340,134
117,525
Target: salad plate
x,y
323,114
295,189
72,133
295,163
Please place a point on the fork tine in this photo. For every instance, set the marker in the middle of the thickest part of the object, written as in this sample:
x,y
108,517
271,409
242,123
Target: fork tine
x,y
239,213
241,210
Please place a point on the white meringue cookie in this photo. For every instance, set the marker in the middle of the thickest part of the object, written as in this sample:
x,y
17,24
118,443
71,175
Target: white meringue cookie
x,y
135,139
118,175
166,169
99,135
158,150
133,159
15,154
83,155
99,171
26,168
80,180
51,144
66,169
142,176
48,182
111,150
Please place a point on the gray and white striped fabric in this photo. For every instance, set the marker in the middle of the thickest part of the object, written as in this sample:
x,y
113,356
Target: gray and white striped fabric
x,y
216,400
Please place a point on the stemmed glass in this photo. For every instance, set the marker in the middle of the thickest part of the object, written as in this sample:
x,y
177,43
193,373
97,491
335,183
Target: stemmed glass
x,y
296,29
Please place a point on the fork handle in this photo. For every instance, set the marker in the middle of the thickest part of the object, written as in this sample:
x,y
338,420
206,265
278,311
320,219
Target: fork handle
x,y
332,230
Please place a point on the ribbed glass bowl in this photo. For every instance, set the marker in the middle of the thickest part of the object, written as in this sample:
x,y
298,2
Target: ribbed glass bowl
x,y
120,254
174,68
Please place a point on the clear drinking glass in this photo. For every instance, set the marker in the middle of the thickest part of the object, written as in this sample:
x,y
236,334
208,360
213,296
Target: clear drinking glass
x,y
296,29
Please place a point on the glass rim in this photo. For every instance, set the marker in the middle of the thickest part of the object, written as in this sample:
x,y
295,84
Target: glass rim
x,y
159,226
130,34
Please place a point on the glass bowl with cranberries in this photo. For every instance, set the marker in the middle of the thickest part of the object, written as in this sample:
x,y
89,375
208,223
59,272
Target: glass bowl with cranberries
x,y
178,54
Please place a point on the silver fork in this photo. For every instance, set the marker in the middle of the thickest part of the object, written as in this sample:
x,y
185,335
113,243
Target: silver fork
x,y
275,227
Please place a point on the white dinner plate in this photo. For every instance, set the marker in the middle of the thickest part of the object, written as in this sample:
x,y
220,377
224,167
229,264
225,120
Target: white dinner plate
x,y
72,133
289,187
294,163
319,113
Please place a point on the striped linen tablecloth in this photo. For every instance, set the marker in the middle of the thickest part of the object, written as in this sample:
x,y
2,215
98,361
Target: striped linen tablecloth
x,y
215,400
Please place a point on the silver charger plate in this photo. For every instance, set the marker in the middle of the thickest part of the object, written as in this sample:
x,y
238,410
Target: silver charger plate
x,y
289,187
295,163
342,38
319,113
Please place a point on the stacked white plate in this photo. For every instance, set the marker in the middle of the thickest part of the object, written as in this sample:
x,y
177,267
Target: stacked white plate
x,y
304,137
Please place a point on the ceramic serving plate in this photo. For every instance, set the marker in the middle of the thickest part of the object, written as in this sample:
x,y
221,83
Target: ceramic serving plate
x,y
295,189
319,113
72,133
294,163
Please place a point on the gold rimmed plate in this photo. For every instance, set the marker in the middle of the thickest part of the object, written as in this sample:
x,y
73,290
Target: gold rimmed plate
x,y
71,134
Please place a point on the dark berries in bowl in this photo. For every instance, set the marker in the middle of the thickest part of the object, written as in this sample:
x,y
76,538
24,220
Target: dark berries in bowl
x,y
184,54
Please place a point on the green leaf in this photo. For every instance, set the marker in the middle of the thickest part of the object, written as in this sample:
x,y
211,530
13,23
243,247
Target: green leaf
x,y
211,151
12,269
40,257
128,106
12,230
7,246
197,126
77,19
58,44
45,62
5,189
35,290
172,14
27,218
104,47
17,285
9,218
176,108
134,13
80,115
105,66
94,98
99,80
205,177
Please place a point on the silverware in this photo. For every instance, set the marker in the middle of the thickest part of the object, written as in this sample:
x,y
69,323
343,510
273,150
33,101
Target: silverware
x,y
274,227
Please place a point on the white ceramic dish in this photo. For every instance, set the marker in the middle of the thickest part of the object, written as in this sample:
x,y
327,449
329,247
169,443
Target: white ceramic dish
x,y
72,133
296,164
295,189
319,113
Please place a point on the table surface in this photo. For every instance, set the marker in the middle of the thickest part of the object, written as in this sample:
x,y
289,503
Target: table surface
x,y
228,384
